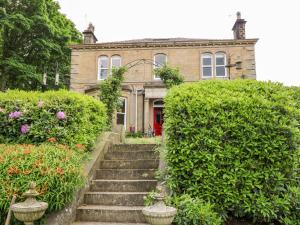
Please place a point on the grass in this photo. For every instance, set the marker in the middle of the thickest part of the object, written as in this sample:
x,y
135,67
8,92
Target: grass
x,y
144,140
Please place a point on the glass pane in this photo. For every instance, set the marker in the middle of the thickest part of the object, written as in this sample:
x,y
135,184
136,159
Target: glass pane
x,y
121,105
158,117
220,60
104,62
220,71
115,61
207,61
103,73
120,119
160,60
159,102
207,71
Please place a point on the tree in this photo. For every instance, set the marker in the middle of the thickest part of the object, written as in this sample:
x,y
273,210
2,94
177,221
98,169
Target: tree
x,y
170,76
34,38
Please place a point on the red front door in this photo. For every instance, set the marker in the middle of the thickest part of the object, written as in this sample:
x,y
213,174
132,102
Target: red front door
x,y
158,121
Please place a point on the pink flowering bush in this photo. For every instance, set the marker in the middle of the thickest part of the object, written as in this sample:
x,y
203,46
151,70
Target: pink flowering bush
x,y
34,117
61,115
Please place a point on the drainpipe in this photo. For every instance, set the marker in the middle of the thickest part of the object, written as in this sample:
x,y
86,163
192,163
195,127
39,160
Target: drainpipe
x,y
136,109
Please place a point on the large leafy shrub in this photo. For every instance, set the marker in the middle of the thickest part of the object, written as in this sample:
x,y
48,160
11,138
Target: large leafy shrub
x,y
235,144
56,169
34,117
193,211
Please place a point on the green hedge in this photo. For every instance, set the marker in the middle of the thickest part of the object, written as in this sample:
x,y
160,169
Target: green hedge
x,y
235,144
34,117
55,168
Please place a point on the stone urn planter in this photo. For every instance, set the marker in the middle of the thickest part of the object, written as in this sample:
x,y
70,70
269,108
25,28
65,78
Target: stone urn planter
x,y
30,210
159,213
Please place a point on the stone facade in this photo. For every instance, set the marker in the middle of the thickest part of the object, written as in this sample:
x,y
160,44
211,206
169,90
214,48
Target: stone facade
x,y
141,89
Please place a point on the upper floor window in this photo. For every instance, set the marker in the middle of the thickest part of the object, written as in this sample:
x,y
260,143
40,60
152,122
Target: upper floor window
x,y
115,61
207,65
160,60
220,65
103,67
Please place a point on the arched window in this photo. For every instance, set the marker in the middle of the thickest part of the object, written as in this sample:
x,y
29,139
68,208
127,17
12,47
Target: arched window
x,y
160,59
115,61
102,67
158,103
207,65
220,59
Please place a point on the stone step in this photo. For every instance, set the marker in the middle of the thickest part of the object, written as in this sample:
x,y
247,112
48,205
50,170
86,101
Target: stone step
x,y
130,155
123,185
116,214
115,198
126,174
106,223
133,147
129,164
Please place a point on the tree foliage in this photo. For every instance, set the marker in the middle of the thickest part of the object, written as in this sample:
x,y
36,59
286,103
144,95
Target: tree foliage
x,y
170,76
110,91
34,37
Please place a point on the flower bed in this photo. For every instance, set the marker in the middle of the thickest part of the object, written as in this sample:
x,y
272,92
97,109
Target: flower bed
x,y
34,117
55,168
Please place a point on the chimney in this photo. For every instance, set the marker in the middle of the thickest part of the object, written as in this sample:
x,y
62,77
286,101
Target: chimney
x,y
89,36
239,30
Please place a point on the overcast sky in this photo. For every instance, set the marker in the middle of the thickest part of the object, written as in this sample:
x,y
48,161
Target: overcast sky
x,y
276,23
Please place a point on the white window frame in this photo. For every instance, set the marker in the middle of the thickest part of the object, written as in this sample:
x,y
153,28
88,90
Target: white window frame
x,y
125,113
100,69
156,66
204,55
215,64
111,60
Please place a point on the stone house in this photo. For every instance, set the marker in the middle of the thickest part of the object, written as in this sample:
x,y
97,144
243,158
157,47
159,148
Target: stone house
x,y
143,92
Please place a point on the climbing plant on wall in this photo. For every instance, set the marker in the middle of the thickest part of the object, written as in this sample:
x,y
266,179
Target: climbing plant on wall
x,y
110,91
170,76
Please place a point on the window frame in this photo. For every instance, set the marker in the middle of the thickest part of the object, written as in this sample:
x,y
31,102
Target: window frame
x,y
111,61
207,66
123,113
155,66
225,69
100,68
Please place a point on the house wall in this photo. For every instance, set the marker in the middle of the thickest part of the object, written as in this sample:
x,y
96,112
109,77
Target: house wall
x,y
84,70
187,59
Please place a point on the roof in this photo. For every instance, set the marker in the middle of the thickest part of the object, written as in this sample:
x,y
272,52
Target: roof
x,y
164,42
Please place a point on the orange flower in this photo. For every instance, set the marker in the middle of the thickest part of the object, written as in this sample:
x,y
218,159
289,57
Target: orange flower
x,y
52,140
60,171
26,152
26,172
79,146
13,170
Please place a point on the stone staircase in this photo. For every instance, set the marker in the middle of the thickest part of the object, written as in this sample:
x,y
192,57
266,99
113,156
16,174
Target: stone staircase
x,y
116,194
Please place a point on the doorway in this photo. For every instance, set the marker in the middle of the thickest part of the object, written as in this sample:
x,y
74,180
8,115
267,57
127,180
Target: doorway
x,y
158,120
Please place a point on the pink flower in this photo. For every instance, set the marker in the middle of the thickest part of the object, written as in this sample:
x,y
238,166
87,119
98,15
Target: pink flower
x,y
61,115
24,129
40,104
15,115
